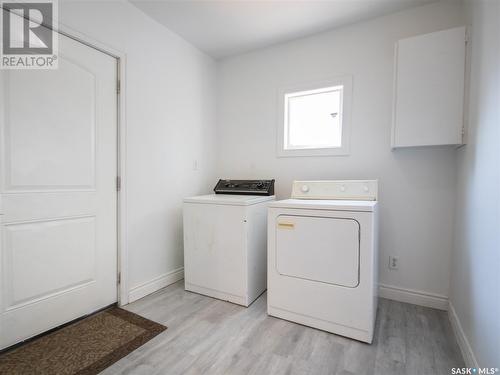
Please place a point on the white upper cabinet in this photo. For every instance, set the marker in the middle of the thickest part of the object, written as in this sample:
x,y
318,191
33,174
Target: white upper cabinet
x,y
429,89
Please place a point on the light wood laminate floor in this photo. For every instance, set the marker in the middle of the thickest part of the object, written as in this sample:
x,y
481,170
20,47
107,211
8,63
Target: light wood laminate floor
x,y
209,336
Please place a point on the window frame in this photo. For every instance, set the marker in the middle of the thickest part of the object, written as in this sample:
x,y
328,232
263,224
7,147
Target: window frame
x,y
346,83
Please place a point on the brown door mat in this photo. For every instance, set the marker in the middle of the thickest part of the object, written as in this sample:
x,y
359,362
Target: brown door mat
x,y
85,347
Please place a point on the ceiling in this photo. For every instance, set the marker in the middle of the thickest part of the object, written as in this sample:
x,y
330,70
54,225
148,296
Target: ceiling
x,y
228,27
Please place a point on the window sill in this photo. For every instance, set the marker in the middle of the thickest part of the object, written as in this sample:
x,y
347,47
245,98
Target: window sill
x,y
338,151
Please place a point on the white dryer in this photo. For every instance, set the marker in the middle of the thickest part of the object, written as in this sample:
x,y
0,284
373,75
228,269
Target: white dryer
x,y
322,257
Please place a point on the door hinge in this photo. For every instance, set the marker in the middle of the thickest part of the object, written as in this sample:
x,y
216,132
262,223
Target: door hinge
x,y
118,86
119,278
118,183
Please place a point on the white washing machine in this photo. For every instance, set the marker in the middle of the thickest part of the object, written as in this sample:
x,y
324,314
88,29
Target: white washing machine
x,y
322,257
225,238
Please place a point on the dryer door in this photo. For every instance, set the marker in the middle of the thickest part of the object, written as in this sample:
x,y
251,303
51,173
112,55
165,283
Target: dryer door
x,y
322,249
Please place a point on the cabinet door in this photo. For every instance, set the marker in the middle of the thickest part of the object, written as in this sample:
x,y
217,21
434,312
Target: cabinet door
x,y
429,89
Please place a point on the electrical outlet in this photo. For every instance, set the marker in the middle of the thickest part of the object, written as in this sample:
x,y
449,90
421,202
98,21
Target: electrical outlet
x,y
393,262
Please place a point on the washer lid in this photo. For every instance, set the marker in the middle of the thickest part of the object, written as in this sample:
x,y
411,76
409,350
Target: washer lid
x,y
229,199
326,204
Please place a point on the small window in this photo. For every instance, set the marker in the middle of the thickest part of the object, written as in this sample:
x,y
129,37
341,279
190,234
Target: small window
x,y
314,120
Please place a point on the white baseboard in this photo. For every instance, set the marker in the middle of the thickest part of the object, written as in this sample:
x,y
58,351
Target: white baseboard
x,y
463,342
156,284
415,297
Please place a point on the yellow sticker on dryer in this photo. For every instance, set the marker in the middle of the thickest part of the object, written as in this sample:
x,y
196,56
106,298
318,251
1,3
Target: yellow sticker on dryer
x,y
286,225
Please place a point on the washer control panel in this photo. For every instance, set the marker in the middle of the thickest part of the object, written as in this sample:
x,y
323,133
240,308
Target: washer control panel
x,y
366,190
245,187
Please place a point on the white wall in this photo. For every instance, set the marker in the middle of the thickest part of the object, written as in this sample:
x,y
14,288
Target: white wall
x,y
475,282
417,186
170,112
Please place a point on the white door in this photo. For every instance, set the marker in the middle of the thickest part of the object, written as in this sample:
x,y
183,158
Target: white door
x,y
58,152
323,249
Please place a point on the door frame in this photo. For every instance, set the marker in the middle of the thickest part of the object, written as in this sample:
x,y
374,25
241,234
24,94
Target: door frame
x,y
121,137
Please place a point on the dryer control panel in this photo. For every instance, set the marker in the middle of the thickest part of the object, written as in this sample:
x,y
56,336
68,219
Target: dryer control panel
x,y
365,190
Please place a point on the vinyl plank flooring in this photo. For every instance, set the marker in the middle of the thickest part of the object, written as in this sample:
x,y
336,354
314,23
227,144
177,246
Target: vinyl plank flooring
x,y
208,336
391,341
419,355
